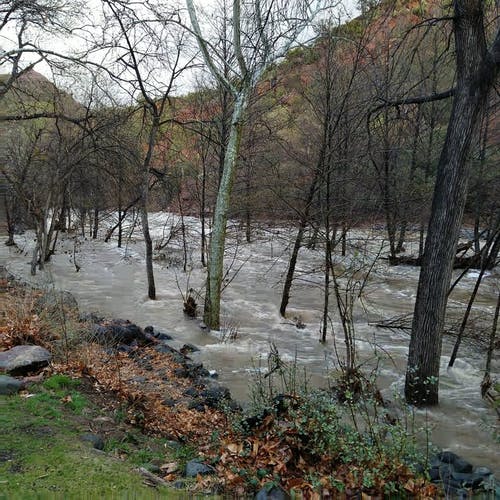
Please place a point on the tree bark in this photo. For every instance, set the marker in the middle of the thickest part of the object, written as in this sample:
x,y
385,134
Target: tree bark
x,y
476,71
218,237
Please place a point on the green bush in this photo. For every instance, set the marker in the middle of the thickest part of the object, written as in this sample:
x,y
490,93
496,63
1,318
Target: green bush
x,y
353,430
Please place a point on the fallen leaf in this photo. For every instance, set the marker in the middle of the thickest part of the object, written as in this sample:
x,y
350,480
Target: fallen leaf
x,y
235,448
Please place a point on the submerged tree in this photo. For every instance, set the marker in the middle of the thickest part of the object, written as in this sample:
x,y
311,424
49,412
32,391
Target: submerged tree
x,y
145,47
261,33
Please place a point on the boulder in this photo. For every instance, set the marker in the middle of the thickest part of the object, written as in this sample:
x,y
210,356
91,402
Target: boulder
x,y
195,467
461,465
118,331
176,356
192,392
9,385
457,474
191,370
214,396
447,457
483,471
23,359
189,348
157,334
197,405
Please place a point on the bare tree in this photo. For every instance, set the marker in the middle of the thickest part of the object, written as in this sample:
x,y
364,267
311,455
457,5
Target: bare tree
x,y
21,23
145,52
262,32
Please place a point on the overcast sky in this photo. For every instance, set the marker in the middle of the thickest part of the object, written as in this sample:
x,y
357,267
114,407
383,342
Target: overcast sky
x,y
67,44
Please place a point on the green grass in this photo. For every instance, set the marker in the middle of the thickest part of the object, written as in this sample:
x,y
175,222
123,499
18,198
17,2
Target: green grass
x,y
42,456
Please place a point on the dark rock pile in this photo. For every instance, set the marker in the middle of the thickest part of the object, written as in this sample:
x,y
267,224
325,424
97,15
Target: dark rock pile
x,y
459,478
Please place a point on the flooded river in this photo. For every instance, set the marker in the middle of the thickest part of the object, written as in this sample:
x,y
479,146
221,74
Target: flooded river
x,y
112,280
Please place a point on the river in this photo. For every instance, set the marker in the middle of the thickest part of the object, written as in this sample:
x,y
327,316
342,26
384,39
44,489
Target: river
x,y
112,280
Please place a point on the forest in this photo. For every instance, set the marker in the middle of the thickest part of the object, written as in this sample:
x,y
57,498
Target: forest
x,y
334,150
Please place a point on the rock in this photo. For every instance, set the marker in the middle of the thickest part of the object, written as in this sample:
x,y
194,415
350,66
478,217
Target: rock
x,y
461,465
214,396
191,392
196,405
94,439
9,385
138,380
468,480
153,468
196,370
449,482
203,326
157,334
163,336
191,370
176,356
169,402
195,467
23,359
274,493
447,457
166,349
445,471
179,485
119,332
483,471
189,348
181,373
91,317
175,445
434,474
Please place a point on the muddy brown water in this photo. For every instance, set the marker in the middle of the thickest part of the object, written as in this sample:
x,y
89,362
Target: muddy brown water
x,y
112,281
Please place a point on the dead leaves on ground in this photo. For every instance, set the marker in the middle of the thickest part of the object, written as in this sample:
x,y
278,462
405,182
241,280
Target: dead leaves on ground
x,y
273,453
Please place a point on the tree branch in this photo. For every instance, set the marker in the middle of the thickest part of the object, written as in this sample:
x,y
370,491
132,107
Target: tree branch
x,y
415,100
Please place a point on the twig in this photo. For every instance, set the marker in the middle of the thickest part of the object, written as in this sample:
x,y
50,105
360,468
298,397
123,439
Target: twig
x,y
157,481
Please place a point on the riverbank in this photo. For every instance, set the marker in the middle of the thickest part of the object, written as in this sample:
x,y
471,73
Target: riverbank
x,y
112,280
285,441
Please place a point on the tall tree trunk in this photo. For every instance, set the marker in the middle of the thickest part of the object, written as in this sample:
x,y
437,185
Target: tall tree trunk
x,y
248,212
491,347
475,75
285,296
95,229
328,252
10,222
149,253
144,207
218,237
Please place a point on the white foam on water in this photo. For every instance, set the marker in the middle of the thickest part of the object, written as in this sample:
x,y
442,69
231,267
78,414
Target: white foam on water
x,y
113,281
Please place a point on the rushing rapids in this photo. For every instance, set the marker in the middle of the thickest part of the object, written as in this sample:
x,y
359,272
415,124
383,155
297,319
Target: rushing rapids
x,y
112,280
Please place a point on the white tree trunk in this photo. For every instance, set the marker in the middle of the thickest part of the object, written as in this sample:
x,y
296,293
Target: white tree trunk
x,y
218,237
